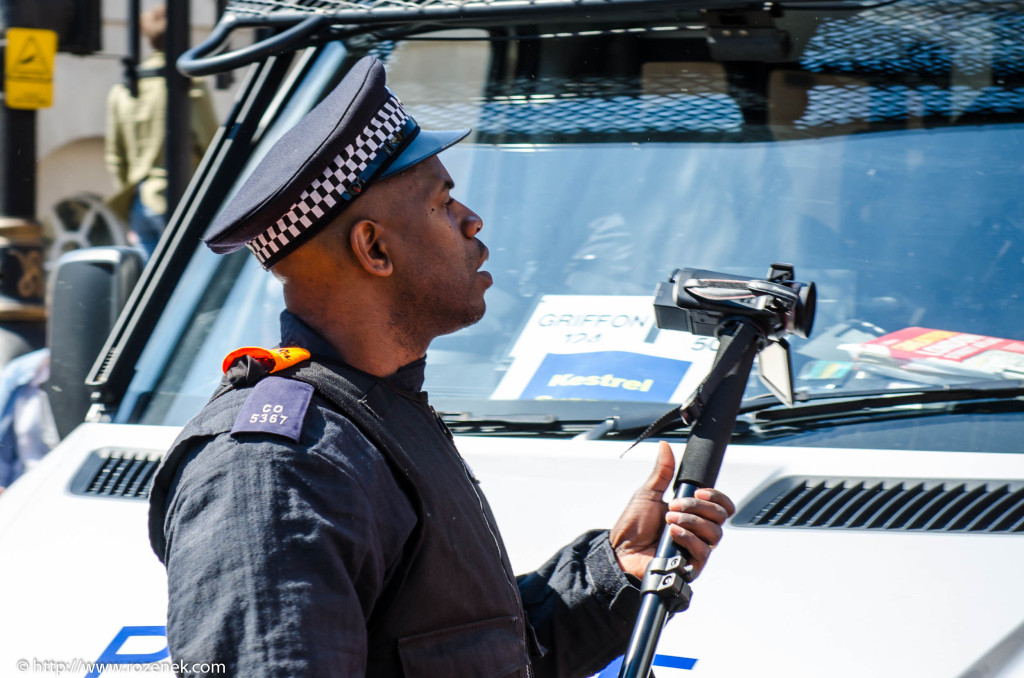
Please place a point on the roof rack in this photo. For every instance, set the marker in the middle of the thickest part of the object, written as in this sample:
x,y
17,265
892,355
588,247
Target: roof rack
x,y
301,23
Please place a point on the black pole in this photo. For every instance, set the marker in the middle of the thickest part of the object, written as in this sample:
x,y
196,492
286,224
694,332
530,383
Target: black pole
x,y
701,462
131,61
224,79
17,133
17,163
178,143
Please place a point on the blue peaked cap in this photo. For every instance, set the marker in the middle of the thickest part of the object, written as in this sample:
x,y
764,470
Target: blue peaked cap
x,y
358,134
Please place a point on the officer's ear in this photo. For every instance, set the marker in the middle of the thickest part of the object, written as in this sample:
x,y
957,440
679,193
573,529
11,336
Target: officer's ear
x,y
369,247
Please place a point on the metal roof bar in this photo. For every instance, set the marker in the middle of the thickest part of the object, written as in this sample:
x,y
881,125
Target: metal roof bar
x,y
306,22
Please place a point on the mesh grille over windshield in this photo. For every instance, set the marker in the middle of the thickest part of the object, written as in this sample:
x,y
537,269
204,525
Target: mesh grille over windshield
x,y
972,37
934,63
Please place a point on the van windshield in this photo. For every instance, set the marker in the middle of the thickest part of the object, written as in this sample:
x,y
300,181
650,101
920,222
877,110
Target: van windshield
x,y
889,176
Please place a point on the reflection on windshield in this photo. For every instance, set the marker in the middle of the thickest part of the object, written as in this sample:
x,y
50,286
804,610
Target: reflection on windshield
x,y
893,237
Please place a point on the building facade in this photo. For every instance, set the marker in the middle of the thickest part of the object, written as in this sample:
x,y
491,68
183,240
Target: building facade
x,y
71,175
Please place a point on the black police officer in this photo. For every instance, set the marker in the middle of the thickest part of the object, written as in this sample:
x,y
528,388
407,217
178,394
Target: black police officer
x,y
315,518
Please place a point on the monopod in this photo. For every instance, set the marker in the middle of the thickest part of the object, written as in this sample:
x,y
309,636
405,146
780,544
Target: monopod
x,y
746,315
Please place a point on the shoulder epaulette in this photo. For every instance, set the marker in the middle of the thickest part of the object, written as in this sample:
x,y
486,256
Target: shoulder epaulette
x,y
276,406
274,359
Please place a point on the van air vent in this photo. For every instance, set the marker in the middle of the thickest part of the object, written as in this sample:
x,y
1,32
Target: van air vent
x,y
982,506
117,472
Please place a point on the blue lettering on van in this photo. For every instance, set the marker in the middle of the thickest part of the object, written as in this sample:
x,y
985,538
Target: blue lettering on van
x,y
667,660
606,375
112,656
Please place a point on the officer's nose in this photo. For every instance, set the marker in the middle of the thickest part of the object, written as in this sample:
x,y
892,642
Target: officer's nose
x,y
471,222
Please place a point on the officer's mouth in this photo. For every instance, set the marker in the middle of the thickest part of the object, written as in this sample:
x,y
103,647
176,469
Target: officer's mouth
x,y
484,256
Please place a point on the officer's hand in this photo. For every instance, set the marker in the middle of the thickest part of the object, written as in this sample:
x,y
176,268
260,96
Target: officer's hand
x,y
696,522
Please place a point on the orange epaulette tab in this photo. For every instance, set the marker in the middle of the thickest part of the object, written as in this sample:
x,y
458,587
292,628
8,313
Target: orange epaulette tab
x,y
274,359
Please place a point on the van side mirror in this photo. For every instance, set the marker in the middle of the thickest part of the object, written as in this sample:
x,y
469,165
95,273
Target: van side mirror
x,y
90,287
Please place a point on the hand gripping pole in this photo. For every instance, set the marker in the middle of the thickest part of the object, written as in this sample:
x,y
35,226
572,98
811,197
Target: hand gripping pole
x,y
665,588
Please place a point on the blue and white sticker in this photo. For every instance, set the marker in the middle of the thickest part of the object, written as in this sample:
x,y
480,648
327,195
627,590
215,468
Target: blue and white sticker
x,y
606,375
616,328
277,406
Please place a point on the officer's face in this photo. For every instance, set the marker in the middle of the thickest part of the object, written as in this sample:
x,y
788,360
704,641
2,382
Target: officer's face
x,y
438,256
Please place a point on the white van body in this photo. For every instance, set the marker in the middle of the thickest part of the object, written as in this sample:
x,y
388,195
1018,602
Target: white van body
x,y
880,521
772,602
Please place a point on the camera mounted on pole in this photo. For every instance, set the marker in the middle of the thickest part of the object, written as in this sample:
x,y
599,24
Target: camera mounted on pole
x,y
749,317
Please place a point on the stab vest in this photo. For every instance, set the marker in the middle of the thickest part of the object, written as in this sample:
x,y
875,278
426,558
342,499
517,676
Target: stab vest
x,y
453,607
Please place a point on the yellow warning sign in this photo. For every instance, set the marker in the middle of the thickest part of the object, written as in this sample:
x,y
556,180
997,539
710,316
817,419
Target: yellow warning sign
x,y
28,68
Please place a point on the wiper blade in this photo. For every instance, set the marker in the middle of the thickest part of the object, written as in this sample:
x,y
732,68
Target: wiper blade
x,y
768,411
769,408
618,424
846,408
762,411
468,421
588,429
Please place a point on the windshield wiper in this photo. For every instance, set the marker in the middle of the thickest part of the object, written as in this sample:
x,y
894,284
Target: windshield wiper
x,y
768,407
618,424
767,411
755,413
854,407
579,428
465,422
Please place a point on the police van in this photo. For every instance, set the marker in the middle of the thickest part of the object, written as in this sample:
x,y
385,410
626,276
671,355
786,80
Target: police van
x,y
876,146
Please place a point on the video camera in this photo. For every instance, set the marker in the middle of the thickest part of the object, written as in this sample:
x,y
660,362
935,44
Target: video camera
x,y
697,301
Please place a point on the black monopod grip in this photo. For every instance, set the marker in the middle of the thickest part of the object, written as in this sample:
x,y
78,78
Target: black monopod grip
x,y
705,448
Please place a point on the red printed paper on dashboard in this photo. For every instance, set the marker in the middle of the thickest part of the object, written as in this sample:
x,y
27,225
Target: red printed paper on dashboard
x,y
959,350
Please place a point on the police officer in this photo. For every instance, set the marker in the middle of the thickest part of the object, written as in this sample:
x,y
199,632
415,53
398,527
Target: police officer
x,y
315,518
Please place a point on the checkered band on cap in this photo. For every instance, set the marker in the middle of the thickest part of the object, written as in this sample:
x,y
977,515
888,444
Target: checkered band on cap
x,y
340,182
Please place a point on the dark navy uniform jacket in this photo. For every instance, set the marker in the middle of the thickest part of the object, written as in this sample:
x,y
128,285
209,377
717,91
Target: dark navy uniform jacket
x,y
295,546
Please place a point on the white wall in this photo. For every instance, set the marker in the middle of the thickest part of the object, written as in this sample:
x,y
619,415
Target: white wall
x,y
70,133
